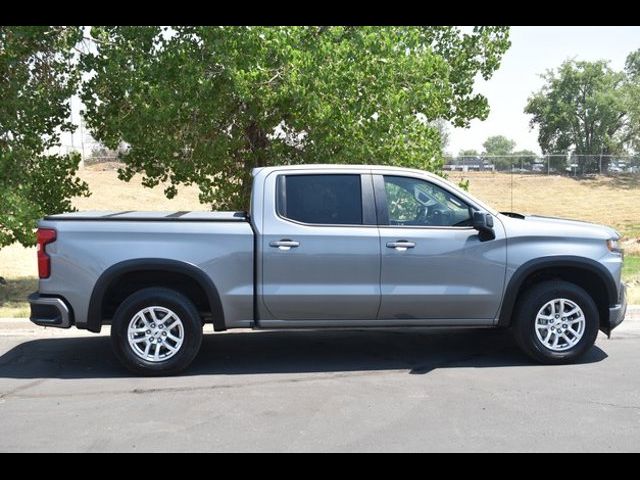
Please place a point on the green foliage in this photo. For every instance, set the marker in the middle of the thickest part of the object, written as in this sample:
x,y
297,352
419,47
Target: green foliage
x,y
498,148
524,158
584,106
631,92
443,131
205,105
557,162
498,145
464,184
632,65
468,153
37,78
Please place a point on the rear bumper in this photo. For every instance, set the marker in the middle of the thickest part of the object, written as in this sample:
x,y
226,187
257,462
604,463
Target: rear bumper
x,y
50,311
617,312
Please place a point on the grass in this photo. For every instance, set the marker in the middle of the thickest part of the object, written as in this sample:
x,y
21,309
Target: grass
x,y
631,274
13,297
614,201
110,193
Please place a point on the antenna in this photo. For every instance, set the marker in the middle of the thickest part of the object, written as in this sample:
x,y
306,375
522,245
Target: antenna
x,y
512,187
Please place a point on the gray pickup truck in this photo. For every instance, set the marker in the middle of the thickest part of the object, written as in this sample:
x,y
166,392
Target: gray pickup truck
x,y
328,246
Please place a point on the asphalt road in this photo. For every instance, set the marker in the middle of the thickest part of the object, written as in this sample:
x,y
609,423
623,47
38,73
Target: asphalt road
x,y
384,390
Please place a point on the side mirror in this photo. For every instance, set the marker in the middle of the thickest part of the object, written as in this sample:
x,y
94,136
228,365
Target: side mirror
x,y
483,222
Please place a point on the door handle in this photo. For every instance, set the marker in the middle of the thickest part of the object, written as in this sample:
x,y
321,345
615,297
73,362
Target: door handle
x,y
284,244
401,245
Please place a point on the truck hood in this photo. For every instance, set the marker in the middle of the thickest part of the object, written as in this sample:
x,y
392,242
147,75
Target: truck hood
x,y
555,225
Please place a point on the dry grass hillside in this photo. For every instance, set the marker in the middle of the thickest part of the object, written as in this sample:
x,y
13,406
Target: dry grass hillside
x,y
612,201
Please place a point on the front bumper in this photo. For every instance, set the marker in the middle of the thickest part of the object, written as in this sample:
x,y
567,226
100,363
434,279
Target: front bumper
x,y
617,312
50,311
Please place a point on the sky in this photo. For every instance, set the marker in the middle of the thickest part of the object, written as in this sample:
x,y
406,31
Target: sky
x,y
533,51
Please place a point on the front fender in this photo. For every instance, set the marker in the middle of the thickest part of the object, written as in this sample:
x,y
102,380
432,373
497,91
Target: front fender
x,y
537,265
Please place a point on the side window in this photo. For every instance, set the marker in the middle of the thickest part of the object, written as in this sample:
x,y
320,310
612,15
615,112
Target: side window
x,y
411,201
321,199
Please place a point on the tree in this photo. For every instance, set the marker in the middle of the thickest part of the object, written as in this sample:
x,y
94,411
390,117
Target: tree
x,y
632,65
443,131
205,105
497,150
631,96
468,153
37,79
581,107
524,158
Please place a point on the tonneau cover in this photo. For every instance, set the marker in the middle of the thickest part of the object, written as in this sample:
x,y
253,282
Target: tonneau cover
x,y
184,216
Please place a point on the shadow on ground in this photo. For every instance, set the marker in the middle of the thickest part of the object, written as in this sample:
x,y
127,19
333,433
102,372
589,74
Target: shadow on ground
x,y
623,181
418,351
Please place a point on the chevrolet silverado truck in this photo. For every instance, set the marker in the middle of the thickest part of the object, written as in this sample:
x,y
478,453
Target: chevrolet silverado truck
x,y
328,246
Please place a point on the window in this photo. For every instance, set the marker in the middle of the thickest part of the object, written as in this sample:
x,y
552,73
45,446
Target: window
x,y
411,201
321,199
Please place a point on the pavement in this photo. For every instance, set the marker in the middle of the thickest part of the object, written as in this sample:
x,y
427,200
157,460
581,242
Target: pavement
x,y
349,390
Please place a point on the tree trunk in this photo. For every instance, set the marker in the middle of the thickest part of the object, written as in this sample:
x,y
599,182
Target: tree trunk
x,y
257,143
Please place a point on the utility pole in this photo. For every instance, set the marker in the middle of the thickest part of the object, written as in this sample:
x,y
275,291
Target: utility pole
x,y
601,149
548,165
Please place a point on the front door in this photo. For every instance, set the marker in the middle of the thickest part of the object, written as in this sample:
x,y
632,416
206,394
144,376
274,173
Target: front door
x,y
434,264
321,251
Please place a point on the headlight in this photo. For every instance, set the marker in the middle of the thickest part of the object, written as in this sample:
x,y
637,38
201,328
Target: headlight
x,y
614,246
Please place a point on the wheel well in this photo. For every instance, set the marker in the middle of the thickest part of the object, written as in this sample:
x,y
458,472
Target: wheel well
x,y
588,280
128,283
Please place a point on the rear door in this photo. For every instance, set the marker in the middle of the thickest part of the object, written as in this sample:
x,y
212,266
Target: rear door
x,y
320,248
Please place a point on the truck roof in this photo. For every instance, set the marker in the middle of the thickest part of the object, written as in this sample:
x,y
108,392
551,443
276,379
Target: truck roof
x,y
334,166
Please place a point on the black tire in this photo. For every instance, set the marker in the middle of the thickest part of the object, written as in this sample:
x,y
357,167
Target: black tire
x,y
166,298
523,324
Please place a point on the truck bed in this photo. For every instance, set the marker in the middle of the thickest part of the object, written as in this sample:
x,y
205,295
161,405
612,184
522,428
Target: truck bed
x,y
154,216
220,245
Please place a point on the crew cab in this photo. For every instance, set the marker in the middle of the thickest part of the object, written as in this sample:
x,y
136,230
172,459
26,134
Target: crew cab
x,y
328,246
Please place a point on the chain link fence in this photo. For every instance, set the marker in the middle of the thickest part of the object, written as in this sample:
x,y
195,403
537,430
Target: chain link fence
x,y
570,165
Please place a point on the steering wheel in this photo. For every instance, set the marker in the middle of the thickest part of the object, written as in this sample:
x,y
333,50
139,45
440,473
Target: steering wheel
x,y
436,217
422,215
440,217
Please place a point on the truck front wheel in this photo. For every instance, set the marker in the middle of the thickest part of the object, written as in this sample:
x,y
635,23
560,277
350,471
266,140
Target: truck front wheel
x,y
156,331
555,322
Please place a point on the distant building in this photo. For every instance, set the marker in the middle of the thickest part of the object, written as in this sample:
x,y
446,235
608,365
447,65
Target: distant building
x,y
468,164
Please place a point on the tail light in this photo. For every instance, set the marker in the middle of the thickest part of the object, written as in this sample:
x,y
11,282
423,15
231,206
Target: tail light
x,y
44,236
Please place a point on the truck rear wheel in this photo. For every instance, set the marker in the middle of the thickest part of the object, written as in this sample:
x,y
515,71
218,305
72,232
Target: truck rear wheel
x,y
556,322
156,331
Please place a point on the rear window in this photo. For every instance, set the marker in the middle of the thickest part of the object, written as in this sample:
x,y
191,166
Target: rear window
x,y
321,199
